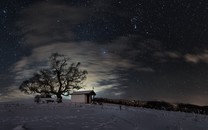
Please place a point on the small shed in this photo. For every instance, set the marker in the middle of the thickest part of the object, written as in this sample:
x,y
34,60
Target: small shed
x,y
82,96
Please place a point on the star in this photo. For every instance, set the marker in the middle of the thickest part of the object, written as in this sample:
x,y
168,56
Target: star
x,y
135,26
4,11
104,52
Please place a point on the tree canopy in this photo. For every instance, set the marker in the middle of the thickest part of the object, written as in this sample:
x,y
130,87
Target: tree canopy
x,y
58,79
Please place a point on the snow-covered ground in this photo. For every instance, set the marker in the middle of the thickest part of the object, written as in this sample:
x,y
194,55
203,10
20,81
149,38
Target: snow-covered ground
x,y
68,116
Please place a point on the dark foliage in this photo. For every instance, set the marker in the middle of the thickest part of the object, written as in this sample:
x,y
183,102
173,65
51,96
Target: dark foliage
x,y
57,80
160,105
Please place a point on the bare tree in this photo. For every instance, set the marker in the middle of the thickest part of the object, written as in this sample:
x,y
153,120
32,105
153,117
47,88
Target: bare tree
x,y
57,80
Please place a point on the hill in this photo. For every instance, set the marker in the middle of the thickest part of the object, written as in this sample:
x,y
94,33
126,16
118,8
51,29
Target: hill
x,y
67,115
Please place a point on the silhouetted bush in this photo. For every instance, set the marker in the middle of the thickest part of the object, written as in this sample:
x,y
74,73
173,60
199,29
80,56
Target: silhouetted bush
x,y
160,105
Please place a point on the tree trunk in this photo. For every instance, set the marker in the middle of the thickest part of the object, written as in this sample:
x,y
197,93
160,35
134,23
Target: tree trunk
x,y
59,98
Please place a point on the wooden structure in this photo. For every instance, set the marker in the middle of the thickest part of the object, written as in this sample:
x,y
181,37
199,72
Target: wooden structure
x,y
82,96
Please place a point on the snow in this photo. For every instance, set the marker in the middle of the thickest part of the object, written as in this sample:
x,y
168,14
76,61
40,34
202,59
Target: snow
x,y
31,116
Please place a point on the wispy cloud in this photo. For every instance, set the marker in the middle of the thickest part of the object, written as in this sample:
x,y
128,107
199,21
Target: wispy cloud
x,y
99,65
100,60
47,27
52,31
196,58
46,22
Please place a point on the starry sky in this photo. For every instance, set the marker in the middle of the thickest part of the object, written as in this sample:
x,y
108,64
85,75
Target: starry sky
x,y
132,49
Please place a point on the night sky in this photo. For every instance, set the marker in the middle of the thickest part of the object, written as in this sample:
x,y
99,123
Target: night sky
x,y
132,49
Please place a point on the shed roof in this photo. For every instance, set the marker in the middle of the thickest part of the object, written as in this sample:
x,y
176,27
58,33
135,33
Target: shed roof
x,y
83,92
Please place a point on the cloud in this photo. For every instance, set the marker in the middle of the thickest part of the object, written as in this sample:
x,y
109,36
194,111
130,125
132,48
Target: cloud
x,y
46,22
13,94
174,55
165,56
99,66
51,30
104,69
147,69
192,58
196,58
